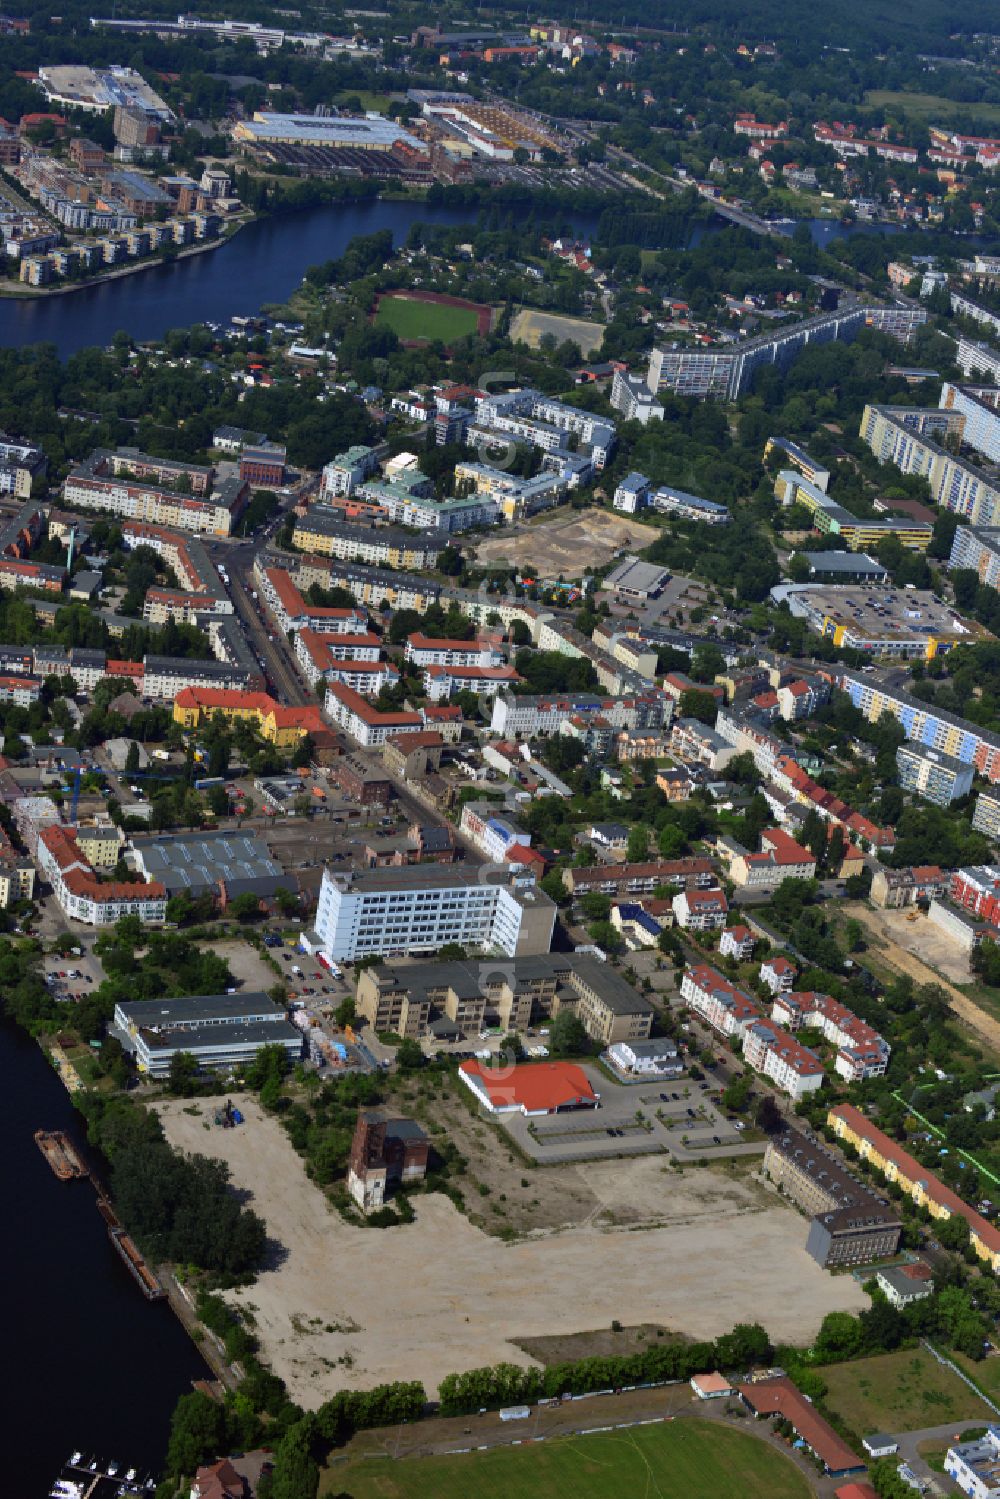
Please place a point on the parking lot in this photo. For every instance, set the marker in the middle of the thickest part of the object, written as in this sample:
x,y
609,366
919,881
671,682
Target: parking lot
x,y
679,1117
71,977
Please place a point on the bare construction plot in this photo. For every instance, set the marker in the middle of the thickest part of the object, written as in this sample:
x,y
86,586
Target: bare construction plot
x,y
341,1306
530,326
566,542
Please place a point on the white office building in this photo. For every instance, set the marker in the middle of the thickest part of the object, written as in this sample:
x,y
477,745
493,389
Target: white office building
x,y
420,909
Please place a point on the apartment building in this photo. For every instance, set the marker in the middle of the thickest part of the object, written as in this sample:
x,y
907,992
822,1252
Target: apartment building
x,y
925,724
320,654
372,587
780,858
898,435
440,682
978,549
737,942
20,465
201,587
529,716
112,483
801,699
861,1052
850,1125
281,726
778,973
976,359
420,909
893,889
343,475
790,777
986,815
324,532
515,496
641,879
976,888
634,399
513,995
685,506
493,835
726,370
17,573
365,724
937,777
286,603
857,533
700,910
791,453
850,1224
771,1051
977,406
425,650
547,423
166,676
694,743
407,505
83,896
720,1004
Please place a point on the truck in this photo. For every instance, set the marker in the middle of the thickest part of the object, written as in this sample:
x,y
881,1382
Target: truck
x,y
161,754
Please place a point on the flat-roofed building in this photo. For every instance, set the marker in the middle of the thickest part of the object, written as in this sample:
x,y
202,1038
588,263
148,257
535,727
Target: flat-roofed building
x,y
218,1030
420,909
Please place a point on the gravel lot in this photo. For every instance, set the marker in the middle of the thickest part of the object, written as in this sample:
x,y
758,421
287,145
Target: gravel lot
x,y
342,1306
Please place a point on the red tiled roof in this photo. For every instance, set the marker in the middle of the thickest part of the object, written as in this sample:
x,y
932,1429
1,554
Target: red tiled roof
x,y
779,1397
911,1168
355,703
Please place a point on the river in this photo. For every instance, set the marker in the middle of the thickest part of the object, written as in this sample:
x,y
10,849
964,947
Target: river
x,y
263,263
90,1363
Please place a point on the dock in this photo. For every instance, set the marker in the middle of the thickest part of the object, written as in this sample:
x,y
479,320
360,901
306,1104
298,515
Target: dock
x,y
61,1154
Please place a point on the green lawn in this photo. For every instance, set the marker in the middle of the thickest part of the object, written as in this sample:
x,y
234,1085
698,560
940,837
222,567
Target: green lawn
x,y
430,320
374,103
933,107
676,1460
899,1392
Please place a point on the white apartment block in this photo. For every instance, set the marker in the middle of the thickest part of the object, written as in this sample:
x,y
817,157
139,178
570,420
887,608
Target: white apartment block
x,y
791,1066
425,650
420,909
486,681
700,910
346,472
365,724
528,716
719,1003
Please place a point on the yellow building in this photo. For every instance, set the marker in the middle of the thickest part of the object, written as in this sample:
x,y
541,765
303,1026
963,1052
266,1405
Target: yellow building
x,y
280,726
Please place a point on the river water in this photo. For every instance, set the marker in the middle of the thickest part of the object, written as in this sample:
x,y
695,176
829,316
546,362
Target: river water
x,y
263,263
88,1362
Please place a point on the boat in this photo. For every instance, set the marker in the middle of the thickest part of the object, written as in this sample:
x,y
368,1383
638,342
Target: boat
x,y
61,1154
74,1459
130,1475
113,1467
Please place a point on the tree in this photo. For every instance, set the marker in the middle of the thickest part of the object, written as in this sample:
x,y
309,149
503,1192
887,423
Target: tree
x,y
132,757
182,1074
595,906
567,1035
638,843
245,907
553,887
839,1337
197,1433
409,1056
767,1115
737,1095
671,841
345,1012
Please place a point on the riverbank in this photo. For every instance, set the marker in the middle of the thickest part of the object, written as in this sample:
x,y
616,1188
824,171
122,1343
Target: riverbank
x,y
17,290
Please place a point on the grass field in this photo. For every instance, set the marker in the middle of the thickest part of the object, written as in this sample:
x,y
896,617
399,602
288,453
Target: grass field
x,y
429,320
899,1392
680,1460
376,103
986,1373
931,106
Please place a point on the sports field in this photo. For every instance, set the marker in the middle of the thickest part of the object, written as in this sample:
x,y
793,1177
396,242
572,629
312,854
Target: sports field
x,y
673,1460
411,319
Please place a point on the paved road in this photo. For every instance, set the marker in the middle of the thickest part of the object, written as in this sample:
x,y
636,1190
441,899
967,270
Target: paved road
x,y
909,1441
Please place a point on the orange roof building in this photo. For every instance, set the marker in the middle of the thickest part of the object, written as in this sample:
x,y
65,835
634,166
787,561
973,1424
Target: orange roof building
x,y
280,726
530,1088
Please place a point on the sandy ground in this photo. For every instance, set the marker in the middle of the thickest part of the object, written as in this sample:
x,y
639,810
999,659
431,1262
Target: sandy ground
x,y
245,964
557,545
921,950
530,326
342,1306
